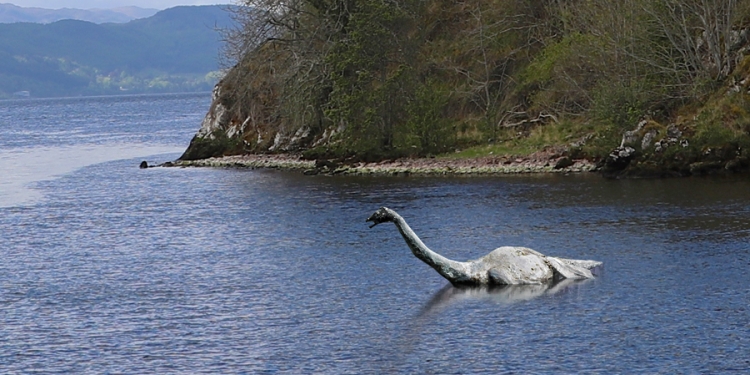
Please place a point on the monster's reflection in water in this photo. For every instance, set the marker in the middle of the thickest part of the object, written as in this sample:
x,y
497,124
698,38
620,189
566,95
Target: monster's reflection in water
x,y
458,297
502,294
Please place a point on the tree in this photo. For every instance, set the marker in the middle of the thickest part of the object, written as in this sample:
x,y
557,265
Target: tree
x,y
697,38
336,63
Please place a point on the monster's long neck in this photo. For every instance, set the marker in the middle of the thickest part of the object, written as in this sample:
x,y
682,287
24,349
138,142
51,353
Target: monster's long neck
x,y
455,272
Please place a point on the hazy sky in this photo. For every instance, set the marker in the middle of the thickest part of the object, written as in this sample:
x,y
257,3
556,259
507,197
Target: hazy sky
x,y
105,4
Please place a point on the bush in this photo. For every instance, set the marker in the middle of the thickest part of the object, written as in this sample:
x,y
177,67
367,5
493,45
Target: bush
x,y
623,105
426,129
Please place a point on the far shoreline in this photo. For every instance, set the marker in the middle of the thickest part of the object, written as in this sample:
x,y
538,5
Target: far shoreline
x,y
102,96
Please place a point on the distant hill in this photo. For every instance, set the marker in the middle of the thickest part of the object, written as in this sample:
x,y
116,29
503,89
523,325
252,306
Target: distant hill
x,y
10,13
174,50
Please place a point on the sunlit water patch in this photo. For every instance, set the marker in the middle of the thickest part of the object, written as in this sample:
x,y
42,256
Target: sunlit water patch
x,y
21,168
47,138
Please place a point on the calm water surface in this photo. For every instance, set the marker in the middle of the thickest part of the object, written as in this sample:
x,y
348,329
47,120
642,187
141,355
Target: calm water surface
x,y
106,268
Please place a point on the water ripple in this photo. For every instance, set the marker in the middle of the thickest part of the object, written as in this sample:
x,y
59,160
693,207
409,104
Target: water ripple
x,y
121,270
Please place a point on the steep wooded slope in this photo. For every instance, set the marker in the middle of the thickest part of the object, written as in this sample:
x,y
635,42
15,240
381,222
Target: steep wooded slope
x,y
374,79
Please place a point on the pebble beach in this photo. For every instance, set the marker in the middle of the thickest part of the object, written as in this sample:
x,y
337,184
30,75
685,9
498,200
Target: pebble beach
x,y
406,166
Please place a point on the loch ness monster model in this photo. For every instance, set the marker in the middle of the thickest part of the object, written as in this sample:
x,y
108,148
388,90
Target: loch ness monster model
x,y
507,265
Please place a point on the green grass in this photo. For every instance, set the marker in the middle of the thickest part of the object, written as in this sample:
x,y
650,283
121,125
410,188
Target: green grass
x,y
554,135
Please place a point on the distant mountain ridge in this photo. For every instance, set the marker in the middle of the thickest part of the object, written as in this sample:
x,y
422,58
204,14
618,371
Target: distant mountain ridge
x,y
173,50
10,13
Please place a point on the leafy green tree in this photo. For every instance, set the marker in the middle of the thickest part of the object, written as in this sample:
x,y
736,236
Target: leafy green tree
x,y
369,75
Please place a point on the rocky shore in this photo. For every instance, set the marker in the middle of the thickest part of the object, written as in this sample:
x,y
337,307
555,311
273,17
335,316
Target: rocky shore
x,y
417,166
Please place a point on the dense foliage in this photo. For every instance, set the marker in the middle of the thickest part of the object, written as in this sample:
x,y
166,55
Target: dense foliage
x,y
174,50
422,77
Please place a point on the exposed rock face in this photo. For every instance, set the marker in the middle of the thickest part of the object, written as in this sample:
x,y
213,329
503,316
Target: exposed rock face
x,y
217,117
215,131
617,160
227,130
647,139
631,137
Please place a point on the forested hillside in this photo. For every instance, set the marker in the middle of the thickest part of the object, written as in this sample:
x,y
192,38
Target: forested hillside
x,y
373,79
174,50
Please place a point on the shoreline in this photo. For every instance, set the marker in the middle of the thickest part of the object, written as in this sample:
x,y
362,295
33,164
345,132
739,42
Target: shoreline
x,y
406,166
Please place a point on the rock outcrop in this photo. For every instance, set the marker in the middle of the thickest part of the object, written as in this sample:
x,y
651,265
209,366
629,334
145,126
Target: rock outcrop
x,y
214,135
655,150
228,130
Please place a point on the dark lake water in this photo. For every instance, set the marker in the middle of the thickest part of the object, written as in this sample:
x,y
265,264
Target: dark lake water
x,y
106,268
